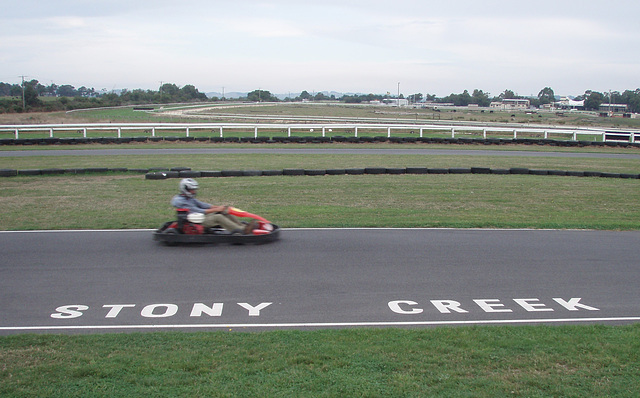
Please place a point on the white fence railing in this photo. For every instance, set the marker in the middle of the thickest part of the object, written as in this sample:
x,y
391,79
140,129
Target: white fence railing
x,y
323,129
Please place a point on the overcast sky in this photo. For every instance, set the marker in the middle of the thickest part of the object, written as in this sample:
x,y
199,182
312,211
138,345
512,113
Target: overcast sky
x,y
436,47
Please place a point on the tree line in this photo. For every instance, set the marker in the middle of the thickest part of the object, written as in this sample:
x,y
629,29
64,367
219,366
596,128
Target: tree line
x,y
29,97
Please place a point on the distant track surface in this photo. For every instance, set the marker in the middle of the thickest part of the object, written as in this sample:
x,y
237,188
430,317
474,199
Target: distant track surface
x,y
314,151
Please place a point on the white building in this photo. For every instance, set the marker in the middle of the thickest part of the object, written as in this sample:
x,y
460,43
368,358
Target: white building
x,y
568,103
395,102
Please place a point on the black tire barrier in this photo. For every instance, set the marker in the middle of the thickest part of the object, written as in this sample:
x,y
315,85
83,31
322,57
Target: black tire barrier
x,y
52,171
252,173
29,172
293,172
232,173
186,172
96,170
189,174
157,175
539,172
272,172
417,170
557,173
8,173
480,170
375,170
210,173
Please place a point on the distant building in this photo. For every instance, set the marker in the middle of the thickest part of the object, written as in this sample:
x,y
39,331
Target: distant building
x,y
613,108
568,103
395,102
511,104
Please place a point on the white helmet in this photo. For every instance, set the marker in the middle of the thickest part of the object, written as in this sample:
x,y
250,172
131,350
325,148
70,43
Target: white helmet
x,y
188,187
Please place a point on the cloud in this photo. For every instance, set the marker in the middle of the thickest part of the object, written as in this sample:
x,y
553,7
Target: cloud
x,y
346,45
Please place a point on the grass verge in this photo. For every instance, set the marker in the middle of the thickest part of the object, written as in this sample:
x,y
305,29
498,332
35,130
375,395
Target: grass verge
x,y
461,201
540,361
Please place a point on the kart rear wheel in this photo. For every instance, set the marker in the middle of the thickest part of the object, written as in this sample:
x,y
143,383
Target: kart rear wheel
x,y
171,232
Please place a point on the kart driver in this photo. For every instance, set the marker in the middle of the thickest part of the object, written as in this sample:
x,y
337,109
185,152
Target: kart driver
x,y
213,215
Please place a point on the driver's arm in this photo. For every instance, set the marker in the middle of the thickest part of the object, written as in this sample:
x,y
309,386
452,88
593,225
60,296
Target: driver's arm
x,y
216,209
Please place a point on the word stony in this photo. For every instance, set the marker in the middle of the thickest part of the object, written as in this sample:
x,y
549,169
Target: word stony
x,y
154,310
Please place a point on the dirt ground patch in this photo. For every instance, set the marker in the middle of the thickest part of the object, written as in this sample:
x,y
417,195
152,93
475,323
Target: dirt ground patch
x,y
40,118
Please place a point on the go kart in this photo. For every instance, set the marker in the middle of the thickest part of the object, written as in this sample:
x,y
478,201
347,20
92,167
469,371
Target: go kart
x,y
188,228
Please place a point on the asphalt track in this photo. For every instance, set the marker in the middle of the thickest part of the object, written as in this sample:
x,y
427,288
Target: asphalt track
x,y
115,281
314,151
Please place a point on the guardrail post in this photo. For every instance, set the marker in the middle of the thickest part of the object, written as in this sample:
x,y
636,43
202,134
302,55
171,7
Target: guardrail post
x,y
187,131
84,132
51,132
421,132
484,133
356,131
220,131
388,132
515,134
546,134
323,131
119,132
153,131
575,136
16,133
289,132
255,132
453,133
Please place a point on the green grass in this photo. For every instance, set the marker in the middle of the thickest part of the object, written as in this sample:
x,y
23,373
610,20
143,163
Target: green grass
x,y
468,200
541,361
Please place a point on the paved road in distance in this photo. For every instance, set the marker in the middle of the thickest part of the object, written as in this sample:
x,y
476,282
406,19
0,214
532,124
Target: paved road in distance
x,y
314,151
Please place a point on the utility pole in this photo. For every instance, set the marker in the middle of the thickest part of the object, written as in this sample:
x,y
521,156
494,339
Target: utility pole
x,y
24,105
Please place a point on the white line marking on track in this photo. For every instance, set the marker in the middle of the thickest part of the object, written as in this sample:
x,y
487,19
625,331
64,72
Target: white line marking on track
x,y
321,324
307,229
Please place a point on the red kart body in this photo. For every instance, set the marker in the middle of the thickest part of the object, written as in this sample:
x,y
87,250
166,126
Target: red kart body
x,y
182,230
